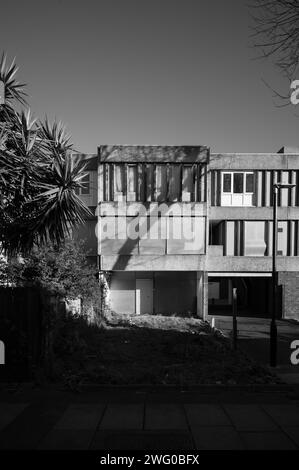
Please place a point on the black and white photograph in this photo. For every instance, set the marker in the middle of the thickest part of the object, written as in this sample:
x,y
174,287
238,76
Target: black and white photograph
x,y
149,232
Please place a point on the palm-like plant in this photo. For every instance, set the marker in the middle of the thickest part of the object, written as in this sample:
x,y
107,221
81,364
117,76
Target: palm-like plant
x,y
38,175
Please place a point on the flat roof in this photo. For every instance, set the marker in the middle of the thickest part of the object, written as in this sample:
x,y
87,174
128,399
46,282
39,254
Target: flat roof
x,y
153,153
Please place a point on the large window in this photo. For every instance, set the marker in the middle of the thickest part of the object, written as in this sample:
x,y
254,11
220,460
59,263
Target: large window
x,y
237,188
255,238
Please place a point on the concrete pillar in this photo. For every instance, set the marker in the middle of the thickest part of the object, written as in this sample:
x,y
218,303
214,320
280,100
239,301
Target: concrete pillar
x,y
202,294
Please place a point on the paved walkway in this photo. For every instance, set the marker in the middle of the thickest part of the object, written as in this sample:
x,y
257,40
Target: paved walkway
x,y
254,338
211,418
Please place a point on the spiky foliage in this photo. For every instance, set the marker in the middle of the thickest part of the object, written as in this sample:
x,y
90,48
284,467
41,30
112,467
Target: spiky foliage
x,y
38,176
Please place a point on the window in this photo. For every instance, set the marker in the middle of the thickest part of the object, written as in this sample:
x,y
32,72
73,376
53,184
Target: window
x,y
230,238
132,183
255,238
237,188
238,183
132,178
174,182
249,183
161,183
227,183
119,179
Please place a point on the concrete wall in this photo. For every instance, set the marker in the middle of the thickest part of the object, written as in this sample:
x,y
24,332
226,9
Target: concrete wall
x,y
254,264
253,161
173,292
290,296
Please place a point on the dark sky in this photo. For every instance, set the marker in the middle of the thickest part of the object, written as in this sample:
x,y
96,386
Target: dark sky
x,y
174,72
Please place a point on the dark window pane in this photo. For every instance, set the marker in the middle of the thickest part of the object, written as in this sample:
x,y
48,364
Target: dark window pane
x,y
249,183
227,177
174,182
238,182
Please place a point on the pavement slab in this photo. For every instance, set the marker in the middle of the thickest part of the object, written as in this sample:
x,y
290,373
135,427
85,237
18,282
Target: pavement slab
x,y
267,441
67,439
249,417
217,438
143,440
123,416
165,416
81,416
283,415
29,427
9,411
206,415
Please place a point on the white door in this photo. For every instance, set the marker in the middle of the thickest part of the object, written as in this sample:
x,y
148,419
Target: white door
x,y
144,296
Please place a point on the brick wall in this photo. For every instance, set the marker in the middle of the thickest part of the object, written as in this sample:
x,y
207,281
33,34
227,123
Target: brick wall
x,y
290,296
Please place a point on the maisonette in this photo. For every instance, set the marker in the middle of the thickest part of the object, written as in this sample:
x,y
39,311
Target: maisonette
x,y
176,227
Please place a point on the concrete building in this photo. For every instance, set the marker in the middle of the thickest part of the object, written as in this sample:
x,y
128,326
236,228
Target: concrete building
x,y
178,227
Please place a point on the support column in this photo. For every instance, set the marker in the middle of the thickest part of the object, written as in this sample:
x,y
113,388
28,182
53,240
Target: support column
x,y
202,294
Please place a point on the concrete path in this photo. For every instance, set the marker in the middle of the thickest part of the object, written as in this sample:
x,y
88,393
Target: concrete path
x,y
254,338
211,418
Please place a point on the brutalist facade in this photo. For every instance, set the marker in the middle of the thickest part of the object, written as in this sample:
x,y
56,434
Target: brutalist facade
x,y
176,227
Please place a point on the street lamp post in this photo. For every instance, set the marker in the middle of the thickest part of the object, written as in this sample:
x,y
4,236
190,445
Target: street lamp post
x,y
273,327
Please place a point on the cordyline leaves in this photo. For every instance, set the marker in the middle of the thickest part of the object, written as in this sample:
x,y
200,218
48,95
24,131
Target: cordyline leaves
x,y
38,176
14,91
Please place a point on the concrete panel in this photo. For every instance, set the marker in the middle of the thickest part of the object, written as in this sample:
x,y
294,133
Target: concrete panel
x,y
251,263
253,161
155,263
152,153
252,213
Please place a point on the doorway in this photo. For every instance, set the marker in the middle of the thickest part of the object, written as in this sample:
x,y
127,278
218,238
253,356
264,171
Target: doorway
x,y
144,296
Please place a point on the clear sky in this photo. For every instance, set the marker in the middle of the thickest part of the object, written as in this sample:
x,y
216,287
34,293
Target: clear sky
x,y
174,72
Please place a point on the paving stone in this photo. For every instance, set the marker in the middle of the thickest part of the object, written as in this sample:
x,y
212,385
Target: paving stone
x,y
9,411
164,416
284,415
267,441
123,416
250,418
216,438
67,439
293,433
81,416
29,427
142,440
206,415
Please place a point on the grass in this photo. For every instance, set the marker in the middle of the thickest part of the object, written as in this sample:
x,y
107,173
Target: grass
x,y
152,350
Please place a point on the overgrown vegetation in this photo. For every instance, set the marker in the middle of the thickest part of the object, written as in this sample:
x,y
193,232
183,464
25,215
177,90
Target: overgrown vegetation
x,y
146,350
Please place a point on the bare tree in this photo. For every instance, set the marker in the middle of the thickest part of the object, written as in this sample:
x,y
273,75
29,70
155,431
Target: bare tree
x,y
276,32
